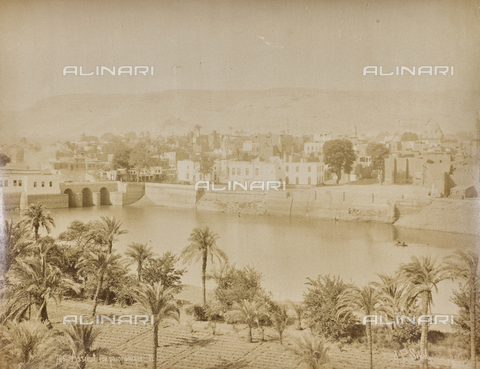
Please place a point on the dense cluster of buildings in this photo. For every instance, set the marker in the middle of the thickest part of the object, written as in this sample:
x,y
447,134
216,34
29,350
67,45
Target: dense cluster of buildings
x,y
446,165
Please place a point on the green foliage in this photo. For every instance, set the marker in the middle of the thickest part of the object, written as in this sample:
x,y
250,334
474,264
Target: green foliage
x,y
14,240
139,253
378,152
321,302
121,158
35,279
339,155
37,216
4,159
80,343
141,156
198,312
311,350
163,269
409,136
235,285
206,164
123,289
203,246
78,234
461,298
28,344
407,333
247,312
280,320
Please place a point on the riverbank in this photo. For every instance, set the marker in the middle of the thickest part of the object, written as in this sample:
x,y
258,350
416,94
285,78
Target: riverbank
x,y
404,206
447,215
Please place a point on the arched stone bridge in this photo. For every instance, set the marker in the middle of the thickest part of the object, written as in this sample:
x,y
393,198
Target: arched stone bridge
x,y
101,193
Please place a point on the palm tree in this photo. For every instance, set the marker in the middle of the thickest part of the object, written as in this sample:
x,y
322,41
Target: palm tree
x,y
246,312
101,264
361,302
393,295
421,277
311,350
38,216
139,253
157,301
35,279
203,245
299,309
110,229
280,320
465,265
14,242
28,344
80,340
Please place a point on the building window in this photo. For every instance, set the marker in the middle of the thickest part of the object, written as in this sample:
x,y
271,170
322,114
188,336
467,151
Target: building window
x,y
20,183
51,184
256,171
5,183
286,168
14,182
309,180
309,168
34,184
43,184
297,180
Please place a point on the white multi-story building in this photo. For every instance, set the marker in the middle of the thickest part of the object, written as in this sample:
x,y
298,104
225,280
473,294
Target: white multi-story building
x,y
246,171
189,171
304,173
298,173
313,148
32,182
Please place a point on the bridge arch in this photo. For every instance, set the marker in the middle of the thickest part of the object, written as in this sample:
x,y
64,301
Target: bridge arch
x,y
105,196
71,197
87,198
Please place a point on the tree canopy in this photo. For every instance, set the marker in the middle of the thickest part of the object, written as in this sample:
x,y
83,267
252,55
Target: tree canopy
x,y
339,155
378,152
409,136
4,159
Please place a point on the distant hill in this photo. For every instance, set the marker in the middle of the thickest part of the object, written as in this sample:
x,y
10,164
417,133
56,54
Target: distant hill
x,y
302,110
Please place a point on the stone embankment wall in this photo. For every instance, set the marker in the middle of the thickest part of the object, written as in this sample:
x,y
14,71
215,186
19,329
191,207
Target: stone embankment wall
x,y
9,201
18,201
254,202
50,201
361,203
341,203
181,196
403,205
447,215
128,193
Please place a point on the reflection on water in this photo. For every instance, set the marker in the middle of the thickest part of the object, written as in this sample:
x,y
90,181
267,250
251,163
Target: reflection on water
x,y
286,250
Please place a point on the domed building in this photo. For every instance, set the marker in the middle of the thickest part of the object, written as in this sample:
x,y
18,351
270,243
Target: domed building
x,y
432,133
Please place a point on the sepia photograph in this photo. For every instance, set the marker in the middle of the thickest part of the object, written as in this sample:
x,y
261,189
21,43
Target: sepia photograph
x,y
227,184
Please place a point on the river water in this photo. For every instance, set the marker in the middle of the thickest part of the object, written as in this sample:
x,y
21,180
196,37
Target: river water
x,y
286,250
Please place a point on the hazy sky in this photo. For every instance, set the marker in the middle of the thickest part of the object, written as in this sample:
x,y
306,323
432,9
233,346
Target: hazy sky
x,y
258,44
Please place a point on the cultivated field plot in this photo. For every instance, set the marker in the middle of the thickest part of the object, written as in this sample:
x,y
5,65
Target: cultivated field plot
x,y
183,346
